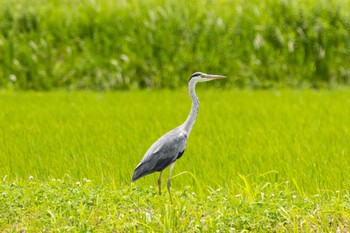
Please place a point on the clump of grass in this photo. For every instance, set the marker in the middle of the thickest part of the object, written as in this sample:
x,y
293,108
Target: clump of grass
x,y
122,45
68,205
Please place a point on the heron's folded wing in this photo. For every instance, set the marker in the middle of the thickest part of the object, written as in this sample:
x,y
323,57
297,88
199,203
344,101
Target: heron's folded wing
x,y
161,154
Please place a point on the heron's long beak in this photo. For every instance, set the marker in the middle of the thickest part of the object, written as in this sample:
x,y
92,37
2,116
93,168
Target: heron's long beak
x,y
214,76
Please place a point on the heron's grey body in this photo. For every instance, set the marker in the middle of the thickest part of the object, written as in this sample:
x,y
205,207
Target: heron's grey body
x,y
165,151
171,146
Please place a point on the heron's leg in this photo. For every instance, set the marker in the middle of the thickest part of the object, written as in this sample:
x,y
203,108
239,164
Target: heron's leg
x,y
168,183
160,183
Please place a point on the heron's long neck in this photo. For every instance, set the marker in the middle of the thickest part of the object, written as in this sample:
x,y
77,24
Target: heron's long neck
x,y
194,109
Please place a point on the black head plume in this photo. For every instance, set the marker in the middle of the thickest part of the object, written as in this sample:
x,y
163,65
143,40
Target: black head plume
x,y
195,75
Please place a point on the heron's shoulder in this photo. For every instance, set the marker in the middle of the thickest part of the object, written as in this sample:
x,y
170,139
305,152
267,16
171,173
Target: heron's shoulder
x,y
173,137
171,141
178,132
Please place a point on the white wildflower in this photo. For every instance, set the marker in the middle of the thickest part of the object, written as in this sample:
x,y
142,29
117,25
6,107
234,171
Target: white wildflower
x,y
86,180
13,77
258,42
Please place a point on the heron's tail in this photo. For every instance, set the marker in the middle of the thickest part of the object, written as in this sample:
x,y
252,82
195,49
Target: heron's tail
x,y
140,171
134,177
137,174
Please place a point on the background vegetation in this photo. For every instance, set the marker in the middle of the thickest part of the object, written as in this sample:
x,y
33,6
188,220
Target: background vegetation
x,y
137,44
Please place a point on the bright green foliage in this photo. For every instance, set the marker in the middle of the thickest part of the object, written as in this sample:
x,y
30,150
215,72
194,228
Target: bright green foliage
x,y
286,135
257,161
83,206
128,44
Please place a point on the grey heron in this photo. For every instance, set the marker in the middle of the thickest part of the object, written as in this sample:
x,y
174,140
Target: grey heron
x,y
171,146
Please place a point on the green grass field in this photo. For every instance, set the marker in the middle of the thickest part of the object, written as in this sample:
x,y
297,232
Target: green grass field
x,y
269,151
255,161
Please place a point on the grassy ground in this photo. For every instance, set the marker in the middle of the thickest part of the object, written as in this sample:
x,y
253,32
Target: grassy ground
x,y
263,160
84,206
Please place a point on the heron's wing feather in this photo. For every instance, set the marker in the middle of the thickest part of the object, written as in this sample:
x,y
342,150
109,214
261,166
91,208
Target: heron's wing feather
x,y
162,153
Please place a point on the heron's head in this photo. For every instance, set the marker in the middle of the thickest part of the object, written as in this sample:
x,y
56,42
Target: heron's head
x,y
202,77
